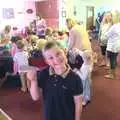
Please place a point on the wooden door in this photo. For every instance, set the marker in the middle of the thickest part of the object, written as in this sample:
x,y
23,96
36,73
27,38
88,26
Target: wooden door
x,y
90,16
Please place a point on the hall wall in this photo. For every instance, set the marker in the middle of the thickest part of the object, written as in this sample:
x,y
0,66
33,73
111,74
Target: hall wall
x,y
18,15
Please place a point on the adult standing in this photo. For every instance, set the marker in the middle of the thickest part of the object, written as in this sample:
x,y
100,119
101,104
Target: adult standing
x,y
5,35
98,21
113,44
78,39
40,27
104,27
78,36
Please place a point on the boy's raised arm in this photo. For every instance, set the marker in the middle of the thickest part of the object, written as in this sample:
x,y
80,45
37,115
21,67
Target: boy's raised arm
x,y
34,90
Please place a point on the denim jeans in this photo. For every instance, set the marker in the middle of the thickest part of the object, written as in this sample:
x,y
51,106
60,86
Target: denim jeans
x,y
113,59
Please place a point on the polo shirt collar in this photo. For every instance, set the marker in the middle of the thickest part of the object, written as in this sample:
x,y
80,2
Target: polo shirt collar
x,y
63,75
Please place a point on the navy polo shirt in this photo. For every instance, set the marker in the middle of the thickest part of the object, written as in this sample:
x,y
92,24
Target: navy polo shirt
x,y
58,94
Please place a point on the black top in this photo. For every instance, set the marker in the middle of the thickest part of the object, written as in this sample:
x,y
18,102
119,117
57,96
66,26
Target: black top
x,y
58,94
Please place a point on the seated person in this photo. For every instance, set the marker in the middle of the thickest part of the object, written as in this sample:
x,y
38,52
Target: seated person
x,y
36,58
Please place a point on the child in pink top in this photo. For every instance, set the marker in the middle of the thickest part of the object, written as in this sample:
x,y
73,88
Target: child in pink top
x,y
13,45
21,63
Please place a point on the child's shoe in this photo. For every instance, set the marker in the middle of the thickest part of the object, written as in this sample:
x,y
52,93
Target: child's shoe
x,y
23,89
84,103
109,76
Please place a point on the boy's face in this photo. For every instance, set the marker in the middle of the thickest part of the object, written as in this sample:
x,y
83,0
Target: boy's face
x,y
55,57
55,36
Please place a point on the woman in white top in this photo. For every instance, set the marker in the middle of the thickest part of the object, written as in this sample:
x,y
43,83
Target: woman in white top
x,y
113,44
104,27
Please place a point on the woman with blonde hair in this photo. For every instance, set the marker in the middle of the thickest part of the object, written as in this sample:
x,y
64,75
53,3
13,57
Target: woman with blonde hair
x,y
104,27
78,36
113,44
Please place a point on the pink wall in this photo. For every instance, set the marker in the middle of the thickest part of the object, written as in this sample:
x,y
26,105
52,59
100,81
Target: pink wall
x,y
48,9
21,18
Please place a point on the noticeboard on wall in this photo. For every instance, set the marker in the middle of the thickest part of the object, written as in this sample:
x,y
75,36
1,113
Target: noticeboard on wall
x,y
8,13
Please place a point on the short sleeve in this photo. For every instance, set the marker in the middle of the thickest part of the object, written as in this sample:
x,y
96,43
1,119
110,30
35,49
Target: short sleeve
x,y
15,58
110,32
26,54
77,86
42,77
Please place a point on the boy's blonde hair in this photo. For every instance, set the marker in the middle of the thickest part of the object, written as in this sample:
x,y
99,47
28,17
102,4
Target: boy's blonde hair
x,y
20,44
40,43
7,28
34,38
49,45
55,31
49,31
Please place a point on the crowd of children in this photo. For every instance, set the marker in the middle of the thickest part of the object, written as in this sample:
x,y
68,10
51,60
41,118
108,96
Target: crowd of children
x,y
67,62
65,89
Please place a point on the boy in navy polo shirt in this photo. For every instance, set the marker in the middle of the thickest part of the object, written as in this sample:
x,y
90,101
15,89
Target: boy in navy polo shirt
x,y
62,88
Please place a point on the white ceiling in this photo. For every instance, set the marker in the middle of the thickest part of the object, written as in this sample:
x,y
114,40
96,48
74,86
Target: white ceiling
x,y
35,0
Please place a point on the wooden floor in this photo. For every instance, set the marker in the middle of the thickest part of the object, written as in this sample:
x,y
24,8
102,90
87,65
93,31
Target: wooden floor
x,y
105,104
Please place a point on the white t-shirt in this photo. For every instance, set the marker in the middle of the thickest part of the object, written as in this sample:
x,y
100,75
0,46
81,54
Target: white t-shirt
x,y
84,71
103,29
21,58
113,36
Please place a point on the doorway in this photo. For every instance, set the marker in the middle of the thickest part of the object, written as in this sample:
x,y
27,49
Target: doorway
x,y
89,16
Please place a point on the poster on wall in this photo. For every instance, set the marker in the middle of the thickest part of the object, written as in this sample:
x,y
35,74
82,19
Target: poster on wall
x,y
8,13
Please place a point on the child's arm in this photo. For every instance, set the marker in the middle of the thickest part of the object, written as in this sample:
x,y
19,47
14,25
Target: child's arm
x,y
15,68
77,96
83,72
15,65
78,106
34,90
